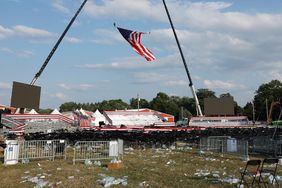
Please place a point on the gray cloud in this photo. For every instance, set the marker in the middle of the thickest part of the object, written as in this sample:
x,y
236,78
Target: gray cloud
x,y
22,30
73,40
4,85
35,35
137,63
59,95
60,6
119,8
24,53
218,84
77,87
5,32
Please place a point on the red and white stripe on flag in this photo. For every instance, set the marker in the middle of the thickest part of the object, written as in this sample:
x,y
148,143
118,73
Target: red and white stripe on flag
x,y
134,40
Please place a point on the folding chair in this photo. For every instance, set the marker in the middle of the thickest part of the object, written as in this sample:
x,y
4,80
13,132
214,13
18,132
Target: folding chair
x,y
251,171
269,167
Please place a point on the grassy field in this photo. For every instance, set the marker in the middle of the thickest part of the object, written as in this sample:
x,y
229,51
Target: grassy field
x,y
142,168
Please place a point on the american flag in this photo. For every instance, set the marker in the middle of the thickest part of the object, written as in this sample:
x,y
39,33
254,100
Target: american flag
x,y
134,37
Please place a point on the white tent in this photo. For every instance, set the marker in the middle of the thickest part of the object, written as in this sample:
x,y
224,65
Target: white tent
x,y
55,111
83,112
98,117
18,111
32,112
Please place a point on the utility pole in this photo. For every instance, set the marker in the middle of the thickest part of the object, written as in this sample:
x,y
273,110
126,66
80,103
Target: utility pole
x,y
1,111
254,119
138,100
266,106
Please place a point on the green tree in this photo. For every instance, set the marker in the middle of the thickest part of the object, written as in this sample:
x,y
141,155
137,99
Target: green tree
x,y
143,103
269,92
185,107
202,94
188,104
68,106
184,113
45,111
174,107
114,104
160,102
163,103
225,95
248,110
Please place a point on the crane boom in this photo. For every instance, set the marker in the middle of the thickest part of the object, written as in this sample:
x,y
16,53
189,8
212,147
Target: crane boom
x,y
56,45
198,108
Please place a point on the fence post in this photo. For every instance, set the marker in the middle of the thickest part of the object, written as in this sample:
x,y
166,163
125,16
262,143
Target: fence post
x,y
53,149
73,159
120,149
65,150
74,153
275,147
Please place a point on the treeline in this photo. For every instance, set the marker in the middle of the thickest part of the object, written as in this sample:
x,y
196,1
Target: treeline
x,y
174,105
185,106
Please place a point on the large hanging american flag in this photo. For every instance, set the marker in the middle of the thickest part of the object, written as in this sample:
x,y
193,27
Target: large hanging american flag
x,y
134,37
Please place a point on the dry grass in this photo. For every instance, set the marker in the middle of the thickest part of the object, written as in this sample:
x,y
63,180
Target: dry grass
x,y
155,168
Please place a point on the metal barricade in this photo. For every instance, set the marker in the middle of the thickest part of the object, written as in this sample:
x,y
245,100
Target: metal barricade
x,y
203,145
225,144
42,149
267,145
97,150
120,148
243,149
60,147
213,143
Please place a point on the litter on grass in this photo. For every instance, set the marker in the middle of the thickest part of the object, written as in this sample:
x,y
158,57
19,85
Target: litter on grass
x,y
231,180
109,180
143,184
38,181
88,162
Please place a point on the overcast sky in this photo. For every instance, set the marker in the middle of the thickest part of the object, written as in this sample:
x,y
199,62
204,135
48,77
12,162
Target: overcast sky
x,y
229,46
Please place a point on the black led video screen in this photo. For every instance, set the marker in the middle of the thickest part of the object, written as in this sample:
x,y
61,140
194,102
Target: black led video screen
x,y
219,106
25,96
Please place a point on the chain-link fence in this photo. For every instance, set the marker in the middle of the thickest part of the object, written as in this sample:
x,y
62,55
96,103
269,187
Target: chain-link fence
x,y
267,145
225,144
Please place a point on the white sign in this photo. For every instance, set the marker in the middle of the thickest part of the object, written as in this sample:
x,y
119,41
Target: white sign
x,y
113,149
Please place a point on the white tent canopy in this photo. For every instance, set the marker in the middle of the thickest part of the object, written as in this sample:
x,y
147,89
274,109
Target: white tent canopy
x,y
98,117
97,113
55,111
32,112
83,112
18,111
